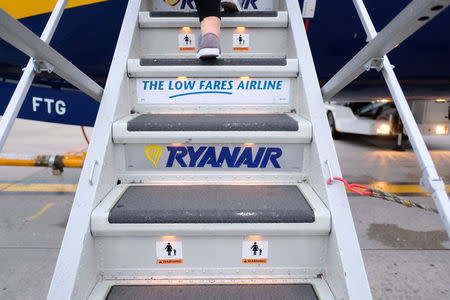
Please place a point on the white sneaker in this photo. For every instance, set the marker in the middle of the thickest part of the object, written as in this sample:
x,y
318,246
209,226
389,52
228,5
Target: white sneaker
x,y
231,5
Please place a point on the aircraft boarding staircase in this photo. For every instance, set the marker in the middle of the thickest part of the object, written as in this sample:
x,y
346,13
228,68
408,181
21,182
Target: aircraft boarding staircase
x,y
212,157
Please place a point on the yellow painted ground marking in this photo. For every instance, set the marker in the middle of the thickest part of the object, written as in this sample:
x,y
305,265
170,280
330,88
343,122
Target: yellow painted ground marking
x,y
401,188
38,187
27,8
71,188
43,210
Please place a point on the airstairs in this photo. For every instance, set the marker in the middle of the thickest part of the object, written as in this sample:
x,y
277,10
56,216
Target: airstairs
x,y
211,158
208,179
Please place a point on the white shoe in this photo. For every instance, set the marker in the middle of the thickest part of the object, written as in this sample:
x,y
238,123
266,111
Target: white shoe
x,y
231,5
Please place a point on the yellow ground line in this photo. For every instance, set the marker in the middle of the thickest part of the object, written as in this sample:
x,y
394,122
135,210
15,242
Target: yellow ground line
x,y
402,188
69,188
38,187
43,210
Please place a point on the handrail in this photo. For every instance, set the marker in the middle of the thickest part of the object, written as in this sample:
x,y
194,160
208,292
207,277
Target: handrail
x,y
25,81
430,180
26,41
408,21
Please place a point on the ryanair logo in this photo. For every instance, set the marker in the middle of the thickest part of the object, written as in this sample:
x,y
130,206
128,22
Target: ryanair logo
x,y
153,153
172,2
230,157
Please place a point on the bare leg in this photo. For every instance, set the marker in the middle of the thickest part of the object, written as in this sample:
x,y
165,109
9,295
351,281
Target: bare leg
x,y
210,25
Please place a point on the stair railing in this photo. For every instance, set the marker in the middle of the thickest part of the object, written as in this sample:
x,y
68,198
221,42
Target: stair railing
x,y
42,58
373,56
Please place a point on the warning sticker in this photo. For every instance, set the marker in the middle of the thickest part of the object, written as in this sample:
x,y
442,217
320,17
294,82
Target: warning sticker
x,y
241,41
255,252
169,252
186,42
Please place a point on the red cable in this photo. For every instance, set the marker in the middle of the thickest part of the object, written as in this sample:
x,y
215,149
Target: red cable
x,y
306,24
351,187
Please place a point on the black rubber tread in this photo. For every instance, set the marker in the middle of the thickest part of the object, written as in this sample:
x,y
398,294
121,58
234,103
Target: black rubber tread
x,y
157,62
241,14
211,292
212,122
212,204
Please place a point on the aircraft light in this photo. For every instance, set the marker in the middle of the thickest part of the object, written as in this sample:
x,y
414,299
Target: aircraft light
x,y
441,129
383,129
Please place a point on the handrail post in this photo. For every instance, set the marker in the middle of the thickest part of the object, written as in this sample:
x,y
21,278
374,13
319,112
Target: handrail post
x,y
430,180
27,77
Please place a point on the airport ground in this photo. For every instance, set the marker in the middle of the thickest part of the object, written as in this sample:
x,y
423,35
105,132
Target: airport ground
x,y
406,250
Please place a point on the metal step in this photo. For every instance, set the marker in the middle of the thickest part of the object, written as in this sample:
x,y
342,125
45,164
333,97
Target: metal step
x,y
232,67
191,128
130,250
158,209
178,19
211,204
224,289
161,34
198,292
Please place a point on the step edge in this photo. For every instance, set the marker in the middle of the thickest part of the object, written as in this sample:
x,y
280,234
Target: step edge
x,y
101,227
303,135
148,22
290,70
320,286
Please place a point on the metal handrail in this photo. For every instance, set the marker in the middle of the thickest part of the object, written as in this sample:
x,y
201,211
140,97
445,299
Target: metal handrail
x,y
26,41
406,23
22,38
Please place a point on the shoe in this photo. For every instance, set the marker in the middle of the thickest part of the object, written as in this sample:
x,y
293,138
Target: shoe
x,y
231,5
209,46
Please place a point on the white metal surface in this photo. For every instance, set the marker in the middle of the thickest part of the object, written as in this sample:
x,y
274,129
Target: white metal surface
x,y
402,26
14,105
430,180
281,20
26,41
344,256
136,70
76,271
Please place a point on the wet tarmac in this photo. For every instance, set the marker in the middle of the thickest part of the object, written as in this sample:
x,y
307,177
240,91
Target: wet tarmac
x,y
406,250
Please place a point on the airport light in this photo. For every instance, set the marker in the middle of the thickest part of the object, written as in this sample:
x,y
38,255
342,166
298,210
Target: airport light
x,y
383,129
441,129
440,100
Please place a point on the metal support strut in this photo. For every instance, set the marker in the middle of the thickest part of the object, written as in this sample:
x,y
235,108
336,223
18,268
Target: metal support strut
x,y
406,23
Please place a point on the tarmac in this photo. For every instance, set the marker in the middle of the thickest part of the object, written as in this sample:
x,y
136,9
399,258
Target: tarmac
x,y
406,250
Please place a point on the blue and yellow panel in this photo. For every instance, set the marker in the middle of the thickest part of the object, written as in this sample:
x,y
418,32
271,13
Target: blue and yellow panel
x,y
27,8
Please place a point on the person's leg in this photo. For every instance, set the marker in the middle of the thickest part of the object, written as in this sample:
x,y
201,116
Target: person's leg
x,y
209,15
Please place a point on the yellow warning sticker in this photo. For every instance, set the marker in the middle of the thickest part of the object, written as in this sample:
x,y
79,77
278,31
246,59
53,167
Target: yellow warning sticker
x,y
169,252
255,252
241,42
254,261
169,261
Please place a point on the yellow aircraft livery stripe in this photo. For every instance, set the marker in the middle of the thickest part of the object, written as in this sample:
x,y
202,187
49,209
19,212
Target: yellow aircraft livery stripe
x,y
70,188
27,8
